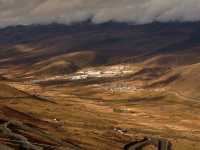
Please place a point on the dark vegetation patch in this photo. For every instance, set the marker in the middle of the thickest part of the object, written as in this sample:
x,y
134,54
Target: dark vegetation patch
x,y
136,100
150,73
89,81
165,82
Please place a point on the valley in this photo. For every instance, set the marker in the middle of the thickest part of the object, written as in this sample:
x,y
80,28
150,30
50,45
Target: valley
x,y
99,86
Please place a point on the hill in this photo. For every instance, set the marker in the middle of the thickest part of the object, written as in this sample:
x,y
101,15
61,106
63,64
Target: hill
x,y
86,85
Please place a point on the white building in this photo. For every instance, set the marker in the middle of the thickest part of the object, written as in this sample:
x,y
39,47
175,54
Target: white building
x,y
127,71
79,77
94,73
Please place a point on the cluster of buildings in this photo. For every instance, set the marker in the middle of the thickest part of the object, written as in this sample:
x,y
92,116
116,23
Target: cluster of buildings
x,y
122,87
97,72
102,72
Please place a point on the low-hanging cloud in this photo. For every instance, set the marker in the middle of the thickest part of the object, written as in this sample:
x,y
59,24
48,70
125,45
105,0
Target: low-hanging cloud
x,y
14,12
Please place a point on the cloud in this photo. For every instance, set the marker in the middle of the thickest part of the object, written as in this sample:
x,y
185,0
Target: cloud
x,y
13,12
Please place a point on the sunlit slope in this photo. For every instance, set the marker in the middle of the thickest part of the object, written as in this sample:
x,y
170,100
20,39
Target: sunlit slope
x,y
178,72
188,83
7,92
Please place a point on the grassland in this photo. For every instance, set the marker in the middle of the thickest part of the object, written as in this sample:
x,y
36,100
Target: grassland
x,y
158,98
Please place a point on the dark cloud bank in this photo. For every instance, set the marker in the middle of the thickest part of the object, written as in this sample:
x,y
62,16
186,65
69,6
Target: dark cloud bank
x,y
14,12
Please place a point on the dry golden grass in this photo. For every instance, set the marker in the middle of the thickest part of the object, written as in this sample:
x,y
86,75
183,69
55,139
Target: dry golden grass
x,y
89,117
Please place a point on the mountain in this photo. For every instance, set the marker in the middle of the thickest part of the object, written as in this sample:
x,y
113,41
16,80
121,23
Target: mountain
x,y
107,41
102,83
58,49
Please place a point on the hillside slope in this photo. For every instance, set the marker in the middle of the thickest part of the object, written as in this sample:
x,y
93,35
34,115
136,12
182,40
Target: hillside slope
x,y
85,85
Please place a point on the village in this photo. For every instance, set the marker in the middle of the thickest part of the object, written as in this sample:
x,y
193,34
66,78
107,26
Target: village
x,y
104,72
94,72
121,70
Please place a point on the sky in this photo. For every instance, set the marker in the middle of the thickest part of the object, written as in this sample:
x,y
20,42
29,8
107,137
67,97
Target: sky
x,y
15,12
